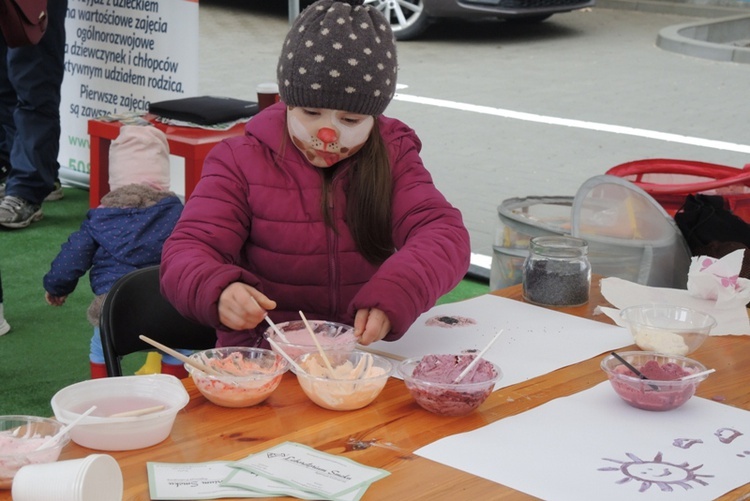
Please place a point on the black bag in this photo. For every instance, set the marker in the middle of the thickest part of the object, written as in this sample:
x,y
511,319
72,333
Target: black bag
x,y
204,110
23,22
710,229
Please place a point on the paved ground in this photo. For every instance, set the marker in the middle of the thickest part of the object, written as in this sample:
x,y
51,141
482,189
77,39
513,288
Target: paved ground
x,y
506,111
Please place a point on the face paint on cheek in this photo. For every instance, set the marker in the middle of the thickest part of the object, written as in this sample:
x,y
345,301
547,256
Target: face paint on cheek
x,y
298,130
352,136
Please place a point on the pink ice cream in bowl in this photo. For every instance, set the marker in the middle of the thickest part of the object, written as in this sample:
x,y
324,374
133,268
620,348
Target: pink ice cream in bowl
x,y
669,380
431,380
240,376
297,341
20,440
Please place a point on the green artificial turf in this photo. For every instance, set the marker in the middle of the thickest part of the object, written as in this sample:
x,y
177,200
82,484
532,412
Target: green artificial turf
x,y
48,347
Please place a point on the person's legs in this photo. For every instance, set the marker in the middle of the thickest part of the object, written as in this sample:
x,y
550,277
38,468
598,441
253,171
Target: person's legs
x,y
96,356
171,365
4,326
32,137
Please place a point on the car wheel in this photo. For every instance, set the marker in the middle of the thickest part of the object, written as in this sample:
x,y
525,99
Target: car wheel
x,y
407,17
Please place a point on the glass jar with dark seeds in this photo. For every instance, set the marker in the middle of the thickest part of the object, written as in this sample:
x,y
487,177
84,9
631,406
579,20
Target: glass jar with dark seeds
x,y
557,271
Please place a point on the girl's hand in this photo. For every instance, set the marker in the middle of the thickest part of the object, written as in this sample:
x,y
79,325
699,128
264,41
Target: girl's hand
x,y
54,300
243,307
370,325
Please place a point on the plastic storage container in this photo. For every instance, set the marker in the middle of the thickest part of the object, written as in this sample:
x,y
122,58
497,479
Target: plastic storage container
x,y
630,235
519,220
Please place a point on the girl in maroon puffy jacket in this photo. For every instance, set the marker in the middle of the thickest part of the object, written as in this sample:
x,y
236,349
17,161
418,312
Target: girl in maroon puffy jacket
x,y
324,205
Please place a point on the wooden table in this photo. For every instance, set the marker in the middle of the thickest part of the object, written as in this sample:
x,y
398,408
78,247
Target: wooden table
x,y
190,143
204,432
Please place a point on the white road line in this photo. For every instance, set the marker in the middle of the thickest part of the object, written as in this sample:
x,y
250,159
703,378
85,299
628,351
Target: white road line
x,y
566,122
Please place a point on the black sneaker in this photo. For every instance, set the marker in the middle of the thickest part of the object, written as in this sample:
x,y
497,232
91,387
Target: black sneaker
x,y
18,213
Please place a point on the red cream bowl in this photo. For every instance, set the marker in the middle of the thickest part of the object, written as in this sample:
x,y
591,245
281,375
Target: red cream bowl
x,y
652,394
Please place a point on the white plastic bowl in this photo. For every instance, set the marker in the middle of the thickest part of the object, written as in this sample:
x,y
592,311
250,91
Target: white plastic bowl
x,y
121,394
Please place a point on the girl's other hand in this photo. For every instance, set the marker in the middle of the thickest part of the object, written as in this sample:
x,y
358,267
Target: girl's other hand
x,y
243,307
370,325
54,300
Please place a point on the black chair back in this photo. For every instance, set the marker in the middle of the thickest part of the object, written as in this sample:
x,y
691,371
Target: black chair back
x,y
134,306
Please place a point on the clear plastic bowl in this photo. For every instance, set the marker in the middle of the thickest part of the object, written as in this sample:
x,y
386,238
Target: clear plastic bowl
x,y
447,399
114,395
651,394
358,378
252,375
331,336
669,329
20,436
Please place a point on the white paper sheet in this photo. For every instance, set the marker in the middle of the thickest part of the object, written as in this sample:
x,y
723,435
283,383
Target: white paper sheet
x,y
622,294
593,446
535,340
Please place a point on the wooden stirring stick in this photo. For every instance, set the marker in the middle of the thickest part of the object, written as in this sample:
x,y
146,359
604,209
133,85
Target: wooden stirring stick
x,y
315,340
138,412
285,355
179,356
276,329
697,374
65,429
477,358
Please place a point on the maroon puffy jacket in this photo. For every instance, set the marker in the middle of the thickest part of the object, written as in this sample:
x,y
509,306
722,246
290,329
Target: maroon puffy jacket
x,y
258,221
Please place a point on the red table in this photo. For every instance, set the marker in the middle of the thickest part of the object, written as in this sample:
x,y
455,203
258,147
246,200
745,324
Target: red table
x,y
192,144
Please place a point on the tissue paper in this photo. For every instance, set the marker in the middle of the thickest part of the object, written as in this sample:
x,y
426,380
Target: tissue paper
x,y
719,280
621,294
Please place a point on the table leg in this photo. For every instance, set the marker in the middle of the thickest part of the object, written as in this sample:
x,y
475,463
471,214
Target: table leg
x,y
99,170
193,168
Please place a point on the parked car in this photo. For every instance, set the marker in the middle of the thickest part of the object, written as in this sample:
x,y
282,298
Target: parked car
x,y
409,18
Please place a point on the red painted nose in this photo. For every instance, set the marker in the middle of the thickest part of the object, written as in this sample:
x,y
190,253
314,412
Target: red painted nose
x,y
327,135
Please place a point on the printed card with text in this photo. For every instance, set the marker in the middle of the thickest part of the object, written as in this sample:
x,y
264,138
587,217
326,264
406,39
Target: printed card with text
x,y
311,470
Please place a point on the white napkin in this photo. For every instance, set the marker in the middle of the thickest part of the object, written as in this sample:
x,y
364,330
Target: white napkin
x,y
719,280
714,286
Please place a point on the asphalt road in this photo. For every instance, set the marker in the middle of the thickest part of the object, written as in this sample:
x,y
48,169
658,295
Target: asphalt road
x,y
511,111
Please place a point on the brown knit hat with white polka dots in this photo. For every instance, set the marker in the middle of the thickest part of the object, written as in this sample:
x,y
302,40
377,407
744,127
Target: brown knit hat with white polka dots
x,y
339,55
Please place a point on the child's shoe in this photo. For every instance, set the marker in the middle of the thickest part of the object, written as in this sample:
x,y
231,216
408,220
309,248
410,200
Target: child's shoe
x,y
98,371
4,325
176,370
152,365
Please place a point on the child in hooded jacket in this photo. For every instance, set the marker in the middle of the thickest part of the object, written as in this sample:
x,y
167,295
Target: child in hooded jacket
x,y
126,232
324,205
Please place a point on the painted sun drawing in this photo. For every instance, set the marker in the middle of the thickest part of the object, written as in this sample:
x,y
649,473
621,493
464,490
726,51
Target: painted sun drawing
x,y
656,472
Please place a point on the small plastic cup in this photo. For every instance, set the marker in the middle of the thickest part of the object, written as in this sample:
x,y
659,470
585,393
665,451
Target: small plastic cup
x,y
268,94
96,477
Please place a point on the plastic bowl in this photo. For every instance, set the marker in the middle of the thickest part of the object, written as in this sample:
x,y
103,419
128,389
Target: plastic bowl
x,y
448,399
20,436
669,329
652,394
115,395
358,378
252,374
331,336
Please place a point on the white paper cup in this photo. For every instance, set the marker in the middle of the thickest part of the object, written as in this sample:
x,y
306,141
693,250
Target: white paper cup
x,y
96,477
268,94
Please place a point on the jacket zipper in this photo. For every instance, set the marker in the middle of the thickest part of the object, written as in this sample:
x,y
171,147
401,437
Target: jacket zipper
x,y
333,245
